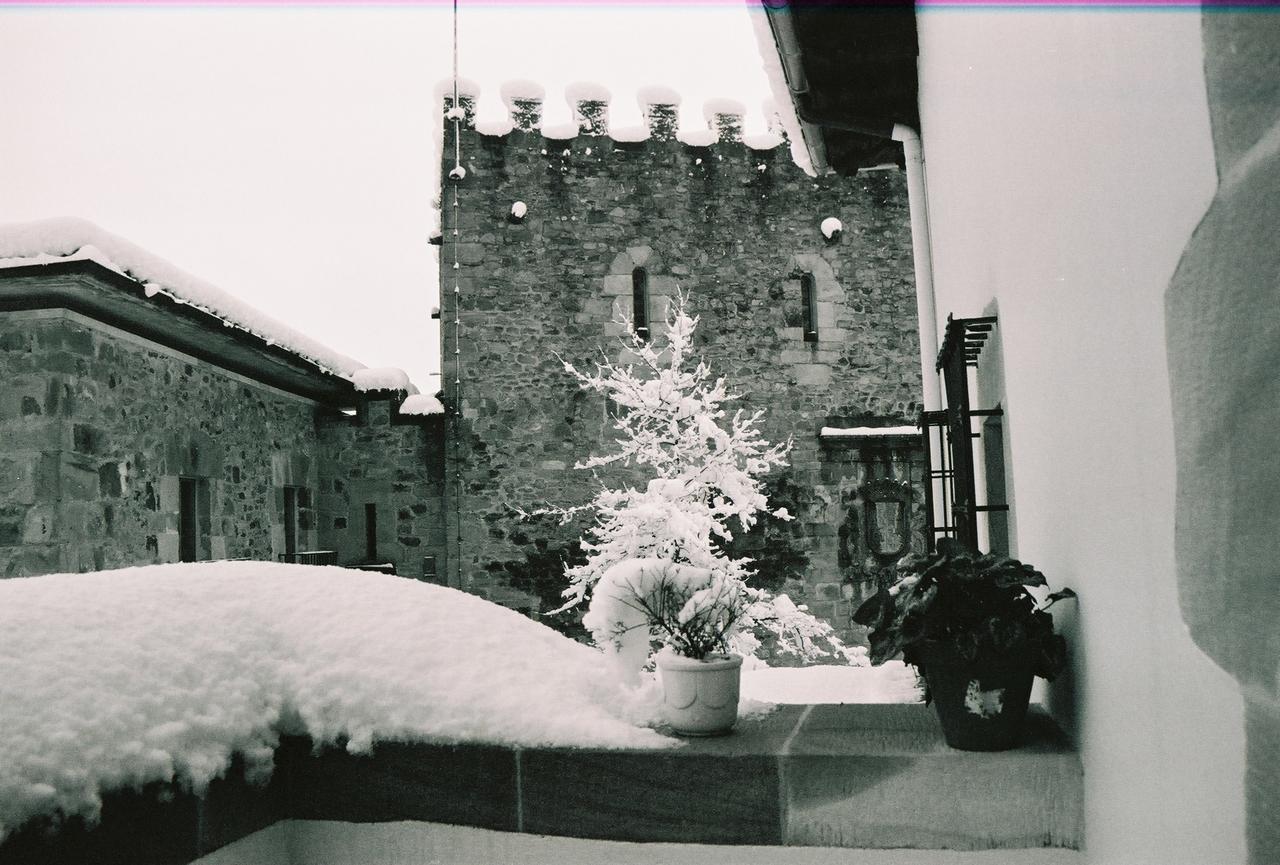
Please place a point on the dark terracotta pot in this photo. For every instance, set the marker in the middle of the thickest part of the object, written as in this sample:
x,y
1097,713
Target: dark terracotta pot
x,y
982,705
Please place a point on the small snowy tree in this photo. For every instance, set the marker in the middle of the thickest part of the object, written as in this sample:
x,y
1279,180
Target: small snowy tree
x,y
706,467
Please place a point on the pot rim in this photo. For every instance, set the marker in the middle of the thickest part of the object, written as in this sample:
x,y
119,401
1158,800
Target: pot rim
x,y
669,660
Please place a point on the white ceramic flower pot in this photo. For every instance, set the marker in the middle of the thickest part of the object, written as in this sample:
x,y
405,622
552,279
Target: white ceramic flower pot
x,y
700,697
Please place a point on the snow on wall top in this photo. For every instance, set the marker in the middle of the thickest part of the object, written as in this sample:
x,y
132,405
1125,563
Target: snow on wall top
x,y
382,378
67,238
726,116
119,678
420,404
868,431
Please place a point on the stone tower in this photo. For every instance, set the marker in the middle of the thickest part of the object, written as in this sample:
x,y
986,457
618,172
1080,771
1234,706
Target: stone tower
x,y
548,235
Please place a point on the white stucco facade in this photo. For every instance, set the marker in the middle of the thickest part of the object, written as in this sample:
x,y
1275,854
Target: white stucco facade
x,y
1069,158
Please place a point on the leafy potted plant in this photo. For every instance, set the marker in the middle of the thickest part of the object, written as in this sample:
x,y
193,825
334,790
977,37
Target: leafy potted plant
x,y
969,624
694,612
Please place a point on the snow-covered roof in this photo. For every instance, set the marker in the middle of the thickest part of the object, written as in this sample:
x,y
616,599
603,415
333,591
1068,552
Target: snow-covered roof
x,y
70,239
120,678
868,431
782,104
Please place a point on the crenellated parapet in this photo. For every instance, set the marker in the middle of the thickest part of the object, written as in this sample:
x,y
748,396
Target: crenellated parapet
x,y
591,117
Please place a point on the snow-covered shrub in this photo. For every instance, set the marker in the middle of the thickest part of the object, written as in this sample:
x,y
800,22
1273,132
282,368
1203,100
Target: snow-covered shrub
x,y
666,541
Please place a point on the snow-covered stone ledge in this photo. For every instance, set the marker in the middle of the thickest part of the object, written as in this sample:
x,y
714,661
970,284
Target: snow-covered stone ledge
x,y
144,709
871,776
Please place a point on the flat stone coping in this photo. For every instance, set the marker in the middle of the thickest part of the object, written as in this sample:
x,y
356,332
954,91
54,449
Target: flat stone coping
x,y
852,775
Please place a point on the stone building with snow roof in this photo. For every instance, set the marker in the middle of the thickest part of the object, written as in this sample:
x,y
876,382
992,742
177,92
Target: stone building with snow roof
x,y
148,417
806,295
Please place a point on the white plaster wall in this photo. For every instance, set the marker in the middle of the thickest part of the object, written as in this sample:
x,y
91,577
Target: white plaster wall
x,y
1069,158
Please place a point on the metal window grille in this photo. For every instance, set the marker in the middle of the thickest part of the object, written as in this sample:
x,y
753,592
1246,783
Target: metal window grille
x,y
951,488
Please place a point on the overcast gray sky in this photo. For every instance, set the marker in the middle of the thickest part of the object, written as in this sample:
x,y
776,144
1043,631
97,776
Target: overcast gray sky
x,y
287,155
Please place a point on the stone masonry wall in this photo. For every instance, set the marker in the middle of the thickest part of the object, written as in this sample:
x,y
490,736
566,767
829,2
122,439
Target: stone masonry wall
x,y
395,463
98,427
734,228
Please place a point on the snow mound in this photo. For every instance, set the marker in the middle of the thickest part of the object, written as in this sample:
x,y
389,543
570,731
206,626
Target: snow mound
x,y
494,126
466,87
119,678
698,137
560,131
586,91
521,88
867,431
721,105
629,134
421,404
70,239
762,140
657,94
382,378
892,682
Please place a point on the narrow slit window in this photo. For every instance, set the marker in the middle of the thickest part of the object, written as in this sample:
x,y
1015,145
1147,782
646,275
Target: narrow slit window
x,y
640,302
809,306
371,532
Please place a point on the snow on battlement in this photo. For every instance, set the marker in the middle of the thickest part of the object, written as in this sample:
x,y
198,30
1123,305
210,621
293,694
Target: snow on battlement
x,y
522,106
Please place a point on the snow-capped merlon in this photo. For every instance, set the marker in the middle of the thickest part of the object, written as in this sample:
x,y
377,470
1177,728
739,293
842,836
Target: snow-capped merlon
x,y
521,90
421,404
587,91
831,228
465,87
868,431
697,137
381,378
657,94
712,108
70,239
